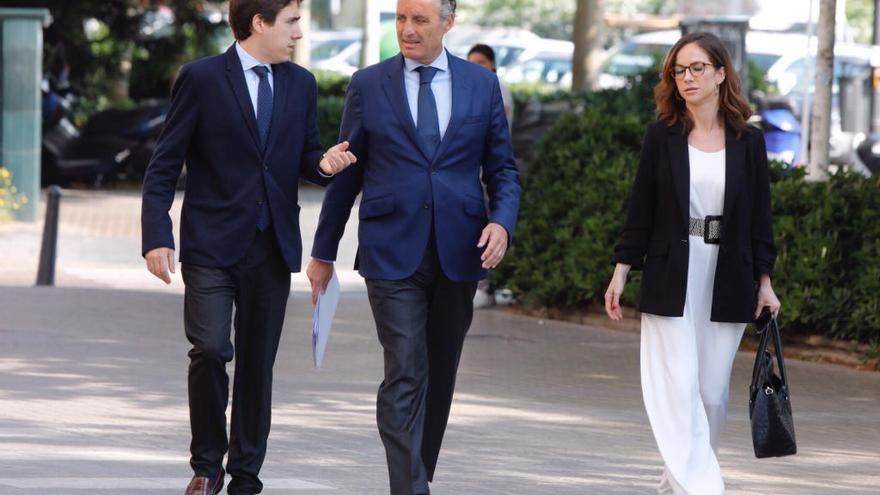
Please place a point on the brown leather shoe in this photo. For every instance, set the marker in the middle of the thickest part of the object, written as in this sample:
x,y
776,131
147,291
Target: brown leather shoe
x,y
203,485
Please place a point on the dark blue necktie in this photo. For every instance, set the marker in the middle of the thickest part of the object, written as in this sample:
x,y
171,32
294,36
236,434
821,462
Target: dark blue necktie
x,y
264,118
428,123
264,103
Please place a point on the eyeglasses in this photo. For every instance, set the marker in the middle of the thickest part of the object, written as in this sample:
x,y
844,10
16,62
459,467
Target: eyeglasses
x,y
696,68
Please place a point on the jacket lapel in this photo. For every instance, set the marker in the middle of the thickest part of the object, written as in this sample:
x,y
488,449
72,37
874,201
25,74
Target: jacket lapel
x,y
679,163
460,90
281,80
396,94
236,79
735,159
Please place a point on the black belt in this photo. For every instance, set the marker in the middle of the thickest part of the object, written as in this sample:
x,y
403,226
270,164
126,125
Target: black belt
x,y
709,228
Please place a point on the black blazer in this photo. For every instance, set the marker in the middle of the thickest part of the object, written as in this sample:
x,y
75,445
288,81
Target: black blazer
x,y
211,125
655,236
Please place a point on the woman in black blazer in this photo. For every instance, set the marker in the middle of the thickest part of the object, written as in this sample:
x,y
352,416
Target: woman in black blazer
x,y
699,227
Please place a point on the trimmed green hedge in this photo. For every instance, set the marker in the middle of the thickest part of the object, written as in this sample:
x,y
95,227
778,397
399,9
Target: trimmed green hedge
x,y
828,267
331,100
573,207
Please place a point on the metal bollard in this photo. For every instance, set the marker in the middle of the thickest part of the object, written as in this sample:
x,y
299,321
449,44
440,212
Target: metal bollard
x,y
46,271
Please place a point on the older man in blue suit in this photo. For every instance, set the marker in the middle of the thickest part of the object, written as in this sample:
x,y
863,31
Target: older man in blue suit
x,y
425,126
244,122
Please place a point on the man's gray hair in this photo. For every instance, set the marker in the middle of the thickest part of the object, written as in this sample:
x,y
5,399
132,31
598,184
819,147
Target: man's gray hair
x,y
446,7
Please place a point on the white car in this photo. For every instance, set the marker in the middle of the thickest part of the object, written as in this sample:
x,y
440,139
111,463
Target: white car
x,y
643,51
509,44
547,62
336,51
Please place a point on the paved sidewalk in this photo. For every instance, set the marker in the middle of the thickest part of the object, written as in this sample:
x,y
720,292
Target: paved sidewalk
x,y
93,401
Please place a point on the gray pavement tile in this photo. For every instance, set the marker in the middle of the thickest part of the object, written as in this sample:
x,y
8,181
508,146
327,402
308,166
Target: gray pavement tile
x,y
93,393
92,389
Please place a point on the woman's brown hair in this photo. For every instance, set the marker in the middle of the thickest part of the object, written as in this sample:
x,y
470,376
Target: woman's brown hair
x,y
732,106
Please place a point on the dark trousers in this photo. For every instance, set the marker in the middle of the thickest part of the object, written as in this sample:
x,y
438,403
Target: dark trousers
x,y
421,321
258,287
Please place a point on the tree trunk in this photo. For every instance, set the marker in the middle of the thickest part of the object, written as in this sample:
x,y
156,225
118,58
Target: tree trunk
x,y
587,44
119,81
817,168
370,44
302,53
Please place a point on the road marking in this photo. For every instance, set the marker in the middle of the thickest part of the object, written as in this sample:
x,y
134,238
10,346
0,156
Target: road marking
x,y
141,483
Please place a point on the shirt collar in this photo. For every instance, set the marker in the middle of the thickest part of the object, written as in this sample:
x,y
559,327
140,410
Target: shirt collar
x,y
248,62
441,62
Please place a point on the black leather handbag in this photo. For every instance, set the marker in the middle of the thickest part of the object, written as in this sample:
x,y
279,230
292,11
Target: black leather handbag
x,y
770,398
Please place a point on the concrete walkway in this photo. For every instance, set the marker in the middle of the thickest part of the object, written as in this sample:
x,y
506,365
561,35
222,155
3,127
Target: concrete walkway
x,y
93,400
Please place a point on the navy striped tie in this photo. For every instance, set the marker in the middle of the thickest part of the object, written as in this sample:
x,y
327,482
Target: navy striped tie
x,y
427,122
264,118
264,103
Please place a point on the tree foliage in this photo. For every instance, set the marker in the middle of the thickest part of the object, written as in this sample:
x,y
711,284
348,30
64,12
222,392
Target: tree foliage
x,y
124,48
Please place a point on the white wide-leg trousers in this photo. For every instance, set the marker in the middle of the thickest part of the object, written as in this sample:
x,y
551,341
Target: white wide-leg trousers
x,y
685,366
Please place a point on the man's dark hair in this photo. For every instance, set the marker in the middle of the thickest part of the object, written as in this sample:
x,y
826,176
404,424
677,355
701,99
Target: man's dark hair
x,y
484,50
242,12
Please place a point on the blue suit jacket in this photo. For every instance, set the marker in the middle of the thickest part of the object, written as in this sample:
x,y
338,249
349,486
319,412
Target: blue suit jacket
x,y
405,191
212,127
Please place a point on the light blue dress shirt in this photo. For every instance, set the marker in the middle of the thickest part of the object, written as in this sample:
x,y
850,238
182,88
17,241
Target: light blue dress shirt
x,y
250,77
441,86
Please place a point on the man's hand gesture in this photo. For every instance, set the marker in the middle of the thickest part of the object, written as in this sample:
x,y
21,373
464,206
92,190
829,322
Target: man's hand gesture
x,y
336,159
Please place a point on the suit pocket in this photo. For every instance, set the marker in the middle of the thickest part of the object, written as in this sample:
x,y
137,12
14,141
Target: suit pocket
x,y
376,207
474,206
475,119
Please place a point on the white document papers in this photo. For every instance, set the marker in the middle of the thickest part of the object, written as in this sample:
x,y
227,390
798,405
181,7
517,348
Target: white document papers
x,y
325,308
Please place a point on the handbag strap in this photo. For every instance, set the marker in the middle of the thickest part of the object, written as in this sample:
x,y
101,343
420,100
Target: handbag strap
x,y
772,327
780,359
758,367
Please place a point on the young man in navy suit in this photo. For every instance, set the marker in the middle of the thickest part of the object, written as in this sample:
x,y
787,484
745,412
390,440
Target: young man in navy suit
x,y
244,122
425,237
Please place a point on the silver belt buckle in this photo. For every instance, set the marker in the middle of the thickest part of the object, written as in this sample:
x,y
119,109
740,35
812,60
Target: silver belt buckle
x,y
712,229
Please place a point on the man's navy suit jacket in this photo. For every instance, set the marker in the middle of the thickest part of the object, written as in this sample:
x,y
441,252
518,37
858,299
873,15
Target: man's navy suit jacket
x,y
406,193
212,127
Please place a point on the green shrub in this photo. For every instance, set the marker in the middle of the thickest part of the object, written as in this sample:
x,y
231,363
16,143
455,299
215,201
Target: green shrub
x,y
329,118
827,272
572,209
331,83
331,100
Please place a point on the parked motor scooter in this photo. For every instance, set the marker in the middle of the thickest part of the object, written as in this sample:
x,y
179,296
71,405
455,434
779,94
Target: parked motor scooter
x,y
112,145
779,119
867,155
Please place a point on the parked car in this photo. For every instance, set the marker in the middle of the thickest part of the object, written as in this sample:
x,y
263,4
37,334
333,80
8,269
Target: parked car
x,y
548,63
336,51
643,51
850,93
509,44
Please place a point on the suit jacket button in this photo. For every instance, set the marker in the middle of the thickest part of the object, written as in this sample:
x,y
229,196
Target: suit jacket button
x,y
426,206
684,241
266,168
260,202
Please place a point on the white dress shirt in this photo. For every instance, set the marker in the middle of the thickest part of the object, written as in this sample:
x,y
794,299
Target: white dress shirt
x,y
250,77
441,86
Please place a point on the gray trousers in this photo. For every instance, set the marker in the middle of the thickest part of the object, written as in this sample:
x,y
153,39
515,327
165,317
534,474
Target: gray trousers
x,y
421,322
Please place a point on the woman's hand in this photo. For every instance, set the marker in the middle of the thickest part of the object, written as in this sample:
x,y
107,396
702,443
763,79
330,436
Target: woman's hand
x,y
615,289
766,297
